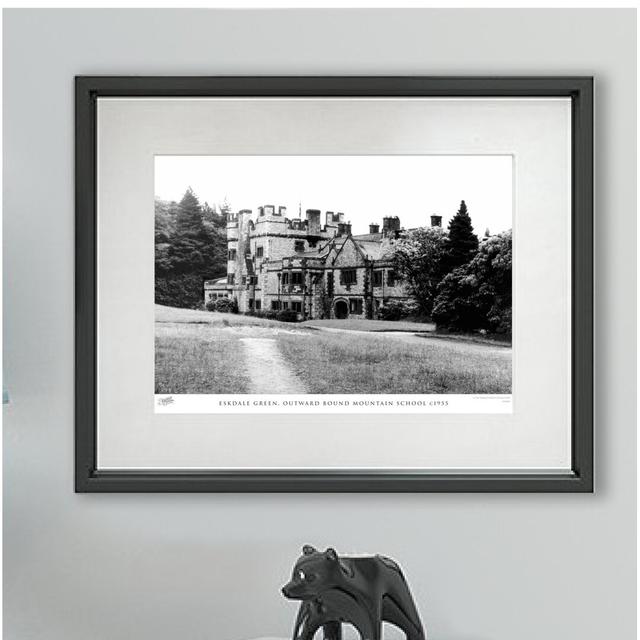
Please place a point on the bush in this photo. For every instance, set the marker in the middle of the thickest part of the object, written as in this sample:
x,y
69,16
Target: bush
x,y
223,305
287,315
457,306
267,314
397,309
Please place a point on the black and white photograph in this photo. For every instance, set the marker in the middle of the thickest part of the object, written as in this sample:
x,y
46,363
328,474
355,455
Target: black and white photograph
x,y
370,281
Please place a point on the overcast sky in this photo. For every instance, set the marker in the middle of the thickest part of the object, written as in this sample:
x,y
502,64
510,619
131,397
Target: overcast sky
x,y
365,188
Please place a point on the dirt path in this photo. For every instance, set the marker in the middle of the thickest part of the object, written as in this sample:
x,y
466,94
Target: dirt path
x,y
267,369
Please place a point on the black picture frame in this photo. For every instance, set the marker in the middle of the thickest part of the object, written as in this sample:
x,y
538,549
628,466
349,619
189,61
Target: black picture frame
x,y
88,478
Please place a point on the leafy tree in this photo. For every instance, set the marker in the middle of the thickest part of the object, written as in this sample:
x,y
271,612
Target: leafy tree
x,y
418,258
477,295
462,242
165,220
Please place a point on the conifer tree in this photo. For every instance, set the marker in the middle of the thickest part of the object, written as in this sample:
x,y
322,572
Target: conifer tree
x,y
210,216
189,218
462,242
225,207
190,247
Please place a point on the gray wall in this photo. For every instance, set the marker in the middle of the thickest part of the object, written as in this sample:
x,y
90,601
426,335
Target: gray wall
x,y
115,567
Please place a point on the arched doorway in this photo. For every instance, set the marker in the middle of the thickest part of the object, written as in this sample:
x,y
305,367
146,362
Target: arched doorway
x,y
341,309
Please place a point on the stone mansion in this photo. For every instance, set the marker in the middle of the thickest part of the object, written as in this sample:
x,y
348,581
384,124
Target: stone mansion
x,y
318,271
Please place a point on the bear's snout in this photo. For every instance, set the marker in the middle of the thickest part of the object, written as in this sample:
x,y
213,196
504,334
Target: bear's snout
x,y
286,590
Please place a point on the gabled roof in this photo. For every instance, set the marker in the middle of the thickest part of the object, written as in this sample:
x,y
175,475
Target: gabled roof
x,y
370,246
369,237
372,250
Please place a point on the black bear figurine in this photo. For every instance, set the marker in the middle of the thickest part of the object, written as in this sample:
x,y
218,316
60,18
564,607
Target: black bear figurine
x,y
360,590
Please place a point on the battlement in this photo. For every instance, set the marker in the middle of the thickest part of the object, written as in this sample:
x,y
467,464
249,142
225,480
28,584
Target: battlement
x,y
270,210
235,218
333,219
311,225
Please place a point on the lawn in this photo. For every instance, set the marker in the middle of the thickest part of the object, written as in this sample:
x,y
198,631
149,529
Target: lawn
x,y
361,363
202,352
192,316
197,352
357,324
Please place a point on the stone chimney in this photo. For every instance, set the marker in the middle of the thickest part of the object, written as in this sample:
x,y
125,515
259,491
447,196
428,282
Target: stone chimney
x,y
436,221
374,228
390,226
344,229
313,222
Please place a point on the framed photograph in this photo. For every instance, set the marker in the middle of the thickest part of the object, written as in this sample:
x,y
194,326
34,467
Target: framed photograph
x,y
322,284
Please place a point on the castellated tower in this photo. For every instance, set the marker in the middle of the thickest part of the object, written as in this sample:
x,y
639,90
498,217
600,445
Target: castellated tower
x,y
232,243
270,225
237,247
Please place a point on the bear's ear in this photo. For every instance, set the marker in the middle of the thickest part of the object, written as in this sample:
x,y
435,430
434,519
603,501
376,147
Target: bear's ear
x,y
307,550
331,554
